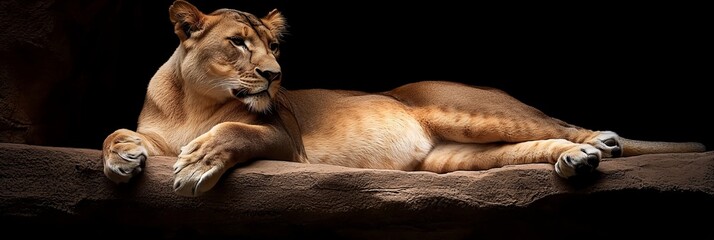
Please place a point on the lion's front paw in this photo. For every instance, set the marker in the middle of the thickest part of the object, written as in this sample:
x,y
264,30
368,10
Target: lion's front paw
x,y
577,161
199,166
124,159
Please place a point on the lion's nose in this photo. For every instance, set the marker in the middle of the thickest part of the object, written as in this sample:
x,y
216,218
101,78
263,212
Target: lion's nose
x,y
270,75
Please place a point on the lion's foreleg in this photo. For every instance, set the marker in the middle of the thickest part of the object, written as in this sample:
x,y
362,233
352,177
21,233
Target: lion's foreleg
x,y
124,152
204,160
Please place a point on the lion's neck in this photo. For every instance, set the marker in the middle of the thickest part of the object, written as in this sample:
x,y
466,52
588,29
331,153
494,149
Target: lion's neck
x,y
165,92
176,113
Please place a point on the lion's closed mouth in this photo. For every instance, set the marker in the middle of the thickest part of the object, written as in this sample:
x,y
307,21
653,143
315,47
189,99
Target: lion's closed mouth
x,y
243,93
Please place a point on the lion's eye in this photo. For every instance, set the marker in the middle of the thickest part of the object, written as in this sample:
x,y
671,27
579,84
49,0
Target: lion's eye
x,y
238,41
274,46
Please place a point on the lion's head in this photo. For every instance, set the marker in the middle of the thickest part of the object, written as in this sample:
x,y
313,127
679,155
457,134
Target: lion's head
x,y
229,54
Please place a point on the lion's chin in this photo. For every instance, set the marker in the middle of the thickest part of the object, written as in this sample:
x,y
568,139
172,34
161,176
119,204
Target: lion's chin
x,y
259,102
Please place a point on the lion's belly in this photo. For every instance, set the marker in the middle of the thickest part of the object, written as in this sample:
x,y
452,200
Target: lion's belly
x,y
365,132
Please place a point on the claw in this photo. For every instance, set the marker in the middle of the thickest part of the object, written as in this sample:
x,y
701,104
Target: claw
x,y
123,171
177,185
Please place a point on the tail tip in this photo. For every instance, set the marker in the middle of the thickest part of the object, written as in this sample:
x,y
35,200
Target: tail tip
x,y
699,147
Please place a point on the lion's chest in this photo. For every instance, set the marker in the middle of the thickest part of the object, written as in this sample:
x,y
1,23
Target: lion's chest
x,y
177,133
366,132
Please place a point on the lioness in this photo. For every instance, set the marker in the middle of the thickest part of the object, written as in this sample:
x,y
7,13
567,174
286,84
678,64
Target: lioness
x,y
217,102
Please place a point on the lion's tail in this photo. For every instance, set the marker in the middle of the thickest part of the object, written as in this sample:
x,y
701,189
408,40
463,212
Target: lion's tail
x,y
637,147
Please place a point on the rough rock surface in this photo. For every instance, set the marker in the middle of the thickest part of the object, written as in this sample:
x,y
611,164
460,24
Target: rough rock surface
x,y
63,191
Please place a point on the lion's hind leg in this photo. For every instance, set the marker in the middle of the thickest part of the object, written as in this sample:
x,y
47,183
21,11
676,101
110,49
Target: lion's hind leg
x,y
608,142
460,113
569,158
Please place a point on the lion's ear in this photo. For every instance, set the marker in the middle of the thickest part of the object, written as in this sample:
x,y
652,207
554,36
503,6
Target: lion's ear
x,y
275,22
186,18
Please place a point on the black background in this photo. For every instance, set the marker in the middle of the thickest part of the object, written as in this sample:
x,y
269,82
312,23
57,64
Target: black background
x,y
637,69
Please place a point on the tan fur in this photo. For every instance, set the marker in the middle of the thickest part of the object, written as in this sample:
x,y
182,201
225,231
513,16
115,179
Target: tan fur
x,y
217,102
